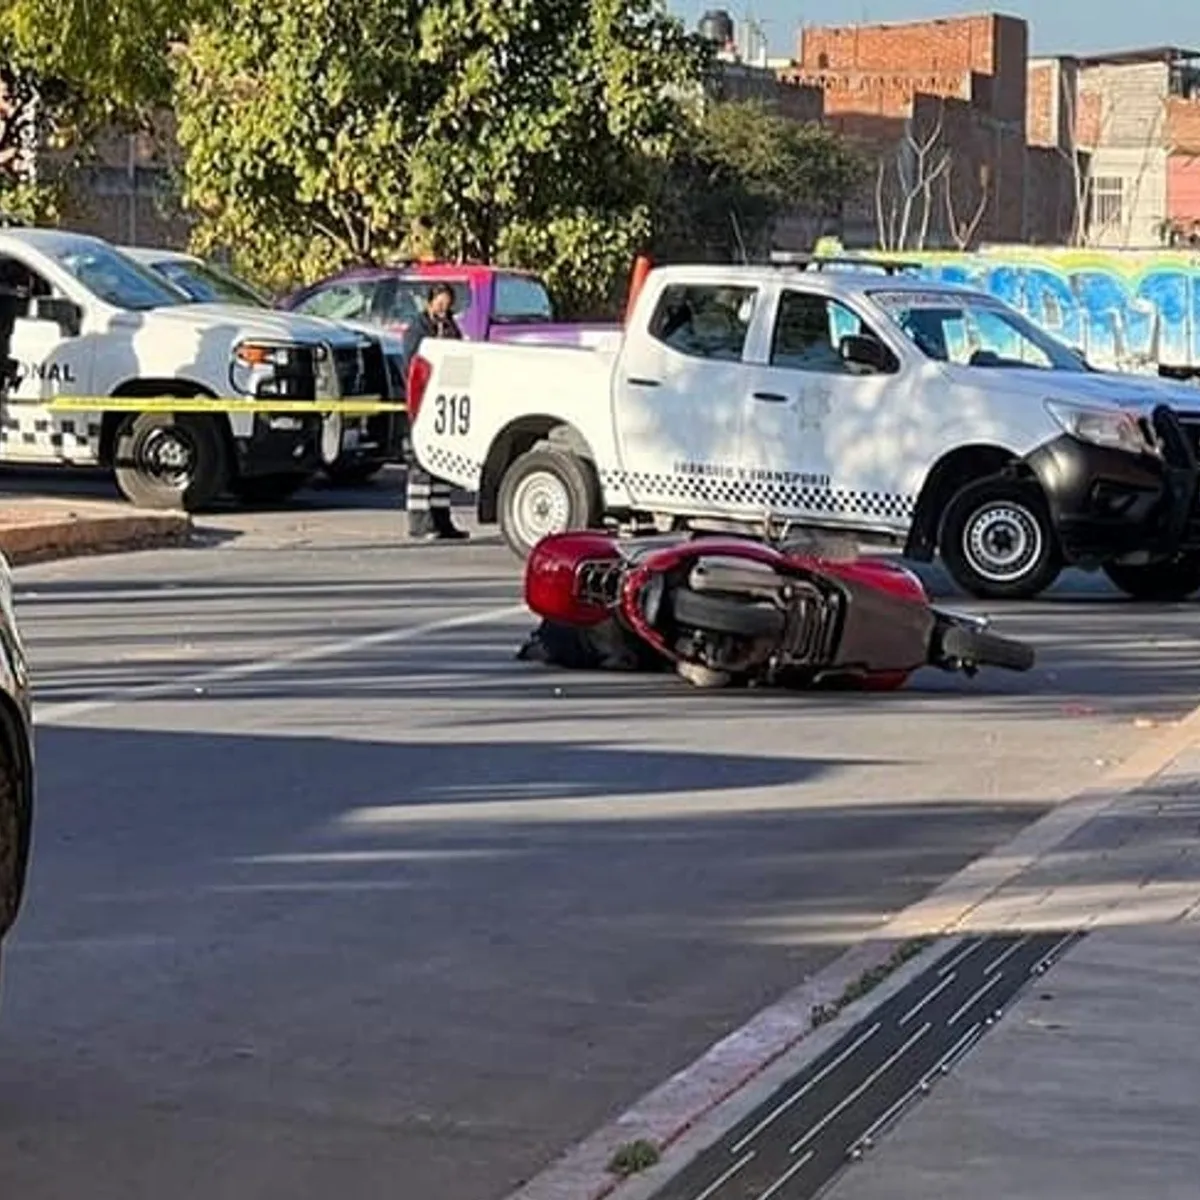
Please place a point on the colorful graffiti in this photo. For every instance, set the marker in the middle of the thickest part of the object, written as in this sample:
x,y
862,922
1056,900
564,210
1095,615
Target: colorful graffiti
x,y
1127,310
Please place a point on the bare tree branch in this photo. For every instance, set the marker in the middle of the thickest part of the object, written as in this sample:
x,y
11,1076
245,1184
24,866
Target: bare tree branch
x,y
963,232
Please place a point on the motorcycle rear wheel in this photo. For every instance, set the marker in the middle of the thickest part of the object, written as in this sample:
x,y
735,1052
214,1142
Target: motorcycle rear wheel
x,y
979,648
724,614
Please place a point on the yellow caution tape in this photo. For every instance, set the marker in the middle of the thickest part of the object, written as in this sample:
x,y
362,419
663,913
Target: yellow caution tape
x,y
360,406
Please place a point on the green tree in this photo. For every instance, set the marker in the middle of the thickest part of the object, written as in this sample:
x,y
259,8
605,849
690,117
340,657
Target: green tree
x,y
295,123
108,56
497,130
744,167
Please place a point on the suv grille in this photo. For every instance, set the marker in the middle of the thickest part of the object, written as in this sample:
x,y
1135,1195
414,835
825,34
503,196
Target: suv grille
x,y
1189,423
1191,429
361,371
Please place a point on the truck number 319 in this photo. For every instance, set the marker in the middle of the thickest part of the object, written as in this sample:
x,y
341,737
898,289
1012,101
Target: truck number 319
x,y
452,415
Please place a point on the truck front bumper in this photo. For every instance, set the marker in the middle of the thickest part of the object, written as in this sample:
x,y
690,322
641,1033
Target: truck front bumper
x,y
280,444
372,440
1109,504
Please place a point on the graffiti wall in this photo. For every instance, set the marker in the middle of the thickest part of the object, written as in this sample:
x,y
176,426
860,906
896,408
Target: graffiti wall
x,y
1127,310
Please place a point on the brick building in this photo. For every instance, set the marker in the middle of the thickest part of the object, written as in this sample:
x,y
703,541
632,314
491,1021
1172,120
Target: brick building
x,y
942,106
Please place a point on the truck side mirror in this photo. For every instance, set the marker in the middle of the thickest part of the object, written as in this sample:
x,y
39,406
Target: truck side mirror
x,y
66,314
865,351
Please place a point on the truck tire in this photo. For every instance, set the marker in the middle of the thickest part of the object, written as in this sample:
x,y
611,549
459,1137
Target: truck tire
x,y
171,461
545,491
269,489
998,541
1163,582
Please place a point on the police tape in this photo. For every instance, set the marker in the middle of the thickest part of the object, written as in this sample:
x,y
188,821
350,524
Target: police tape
x,y
360,406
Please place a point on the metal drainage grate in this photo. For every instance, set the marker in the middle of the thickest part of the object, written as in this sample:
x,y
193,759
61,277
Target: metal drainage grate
x,y
798,1140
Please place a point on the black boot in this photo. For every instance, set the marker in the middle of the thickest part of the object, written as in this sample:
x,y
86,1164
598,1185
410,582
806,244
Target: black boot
x,y
444,529
421,527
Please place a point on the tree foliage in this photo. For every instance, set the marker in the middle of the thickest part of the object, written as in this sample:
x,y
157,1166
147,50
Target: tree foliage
x,y
744,168
484,129
295,123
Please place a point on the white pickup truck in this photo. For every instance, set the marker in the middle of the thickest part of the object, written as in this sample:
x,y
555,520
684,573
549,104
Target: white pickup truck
x,y
94,323
857,399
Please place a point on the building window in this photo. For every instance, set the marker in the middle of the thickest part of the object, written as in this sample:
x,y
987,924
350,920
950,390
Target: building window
x,y
1108,200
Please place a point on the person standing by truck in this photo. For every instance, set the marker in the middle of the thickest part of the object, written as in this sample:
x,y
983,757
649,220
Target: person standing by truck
x,y
427,499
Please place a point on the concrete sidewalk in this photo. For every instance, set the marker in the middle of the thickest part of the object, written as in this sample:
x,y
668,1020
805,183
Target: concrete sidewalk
x,y
36,530
1088,1089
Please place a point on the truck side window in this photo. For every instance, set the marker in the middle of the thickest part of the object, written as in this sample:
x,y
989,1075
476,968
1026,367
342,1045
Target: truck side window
x,y
704,321
340,301
519,299
403,300
809,330
15,276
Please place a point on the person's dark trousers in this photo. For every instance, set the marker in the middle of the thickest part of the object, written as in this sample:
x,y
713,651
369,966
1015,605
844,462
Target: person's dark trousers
x,y
428,505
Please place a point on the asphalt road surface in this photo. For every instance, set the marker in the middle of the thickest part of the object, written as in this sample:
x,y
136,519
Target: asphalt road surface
x,y
331,896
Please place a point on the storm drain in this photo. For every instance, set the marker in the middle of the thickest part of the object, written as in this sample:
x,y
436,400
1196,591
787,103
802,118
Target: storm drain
x,y
796,1142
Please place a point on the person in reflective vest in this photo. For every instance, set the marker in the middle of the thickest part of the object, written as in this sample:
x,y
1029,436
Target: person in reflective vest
x,y
427,498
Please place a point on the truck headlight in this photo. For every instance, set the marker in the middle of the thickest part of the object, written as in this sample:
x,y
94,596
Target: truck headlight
x,y
273,369
1111,427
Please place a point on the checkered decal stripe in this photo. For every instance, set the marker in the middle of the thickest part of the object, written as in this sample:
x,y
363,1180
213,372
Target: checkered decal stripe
x,y
762,494
53,433
449,465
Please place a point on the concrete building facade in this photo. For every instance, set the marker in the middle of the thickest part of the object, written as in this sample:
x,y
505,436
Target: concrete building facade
x,y
1136,118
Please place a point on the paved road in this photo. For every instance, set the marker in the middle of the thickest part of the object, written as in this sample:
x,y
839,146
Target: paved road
x,y
324,902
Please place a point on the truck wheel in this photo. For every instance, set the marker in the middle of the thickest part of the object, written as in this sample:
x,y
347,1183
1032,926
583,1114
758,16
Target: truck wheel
x,y
998,541
1166,581
269,489
546,491
171,461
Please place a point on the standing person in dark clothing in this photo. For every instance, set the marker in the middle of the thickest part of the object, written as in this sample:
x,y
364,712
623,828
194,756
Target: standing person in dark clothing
x,y
428,499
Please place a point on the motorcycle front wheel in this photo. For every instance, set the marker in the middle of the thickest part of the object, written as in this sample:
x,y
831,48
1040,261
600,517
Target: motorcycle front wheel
x,y
978,648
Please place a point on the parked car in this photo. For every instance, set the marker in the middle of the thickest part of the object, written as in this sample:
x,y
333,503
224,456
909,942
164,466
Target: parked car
x,y
16,760
96,323
491,304
931,417
368,443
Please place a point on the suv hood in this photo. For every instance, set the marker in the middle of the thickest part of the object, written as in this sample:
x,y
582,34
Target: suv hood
x,y
1137,392
244,322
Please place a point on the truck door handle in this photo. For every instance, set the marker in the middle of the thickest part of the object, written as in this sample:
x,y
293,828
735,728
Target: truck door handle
x,y
642,382
771,397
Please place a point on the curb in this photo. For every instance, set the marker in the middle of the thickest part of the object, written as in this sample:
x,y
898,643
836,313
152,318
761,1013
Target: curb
x,y
736,1073
75,536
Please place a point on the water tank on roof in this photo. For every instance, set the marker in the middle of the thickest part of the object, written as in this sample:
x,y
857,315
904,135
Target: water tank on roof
x,y
716,26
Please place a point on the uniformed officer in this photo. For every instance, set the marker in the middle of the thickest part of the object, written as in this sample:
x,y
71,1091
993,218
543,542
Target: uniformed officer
x,y
427,498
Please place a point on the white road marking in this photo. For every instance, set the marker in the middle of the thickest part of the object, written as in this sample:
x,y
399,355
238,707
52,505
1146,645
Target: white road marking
x,y
780,1109
978,994
920,1004
965,951
794,1169
862,1087
50,714
994,965
725,1177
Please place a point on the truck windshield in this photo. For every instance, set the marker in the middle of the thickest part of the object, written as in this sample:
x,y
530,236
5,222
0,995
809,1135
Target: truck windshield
x,y
118,280
975,332
206,286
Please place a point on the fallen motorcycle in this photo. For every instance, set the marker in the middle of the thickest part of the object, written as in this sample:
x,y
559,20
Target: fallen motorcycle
x,y
726,610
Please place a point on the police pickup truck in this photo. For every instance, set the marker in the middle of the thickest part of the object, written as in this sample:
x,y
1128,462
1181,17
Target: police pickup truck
x,y
96,324
832,396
